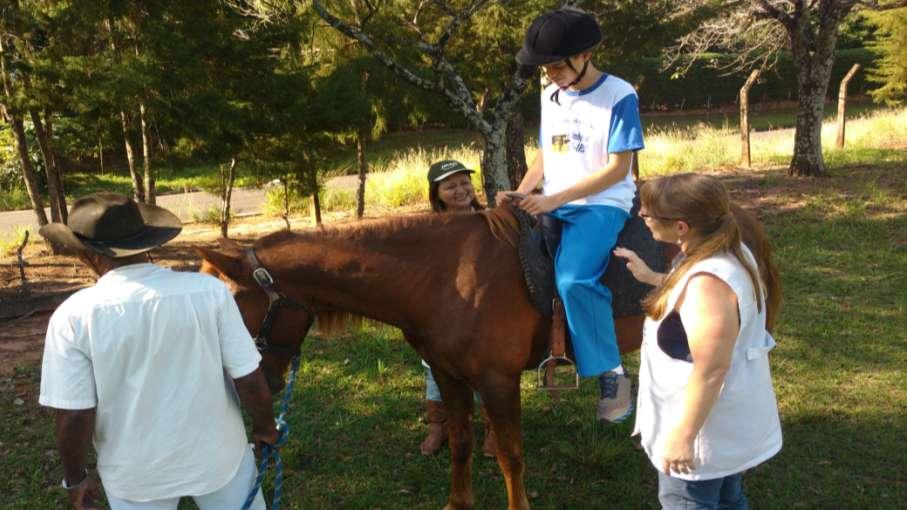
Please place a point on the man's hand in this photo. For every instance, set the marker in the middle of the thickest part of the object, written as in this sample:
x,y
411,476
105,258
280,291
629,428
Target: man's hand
x,y
269,437
84,495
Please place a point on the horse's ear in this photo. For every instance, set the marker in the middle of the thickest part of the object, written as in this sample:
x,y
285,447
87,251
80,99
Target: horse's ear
x,y
227,264
229,245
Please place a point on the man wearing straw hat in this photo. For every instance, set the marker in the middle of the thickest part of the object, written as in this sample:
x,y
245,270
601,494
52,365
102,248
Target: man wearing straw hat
x,y
141,364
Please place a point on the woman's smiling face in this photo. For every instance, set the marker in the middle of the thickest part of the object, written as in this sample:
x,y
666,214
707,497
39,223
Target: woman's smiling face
x,y
457,192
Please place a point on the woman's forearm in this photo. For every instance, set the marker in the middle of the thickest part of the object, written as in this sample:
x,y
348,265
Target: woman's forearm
x,y
701,393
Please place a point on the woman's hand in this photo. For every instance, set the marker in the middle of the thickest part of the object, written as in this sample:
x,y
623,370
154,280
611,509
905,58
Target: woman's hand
x,y
678,454
641,271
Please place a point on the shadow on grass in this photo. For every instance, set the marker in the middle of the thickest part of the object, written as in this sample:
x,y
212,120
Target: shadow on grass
x,y
836,460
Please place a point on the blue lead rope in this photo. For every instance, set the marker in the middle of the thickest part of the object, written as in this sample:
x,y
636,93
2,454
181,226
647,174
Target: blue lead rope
x,y
268,451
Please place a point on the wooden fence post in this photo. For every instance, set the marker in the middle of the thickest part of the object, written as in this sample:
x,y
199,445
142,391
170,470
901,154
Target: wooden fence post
x,y
745,119
23,288
842,102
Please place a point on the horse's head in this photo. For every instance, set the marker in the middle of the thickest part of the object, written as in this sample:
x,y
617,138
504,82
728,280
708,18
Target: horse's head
x,y
288,325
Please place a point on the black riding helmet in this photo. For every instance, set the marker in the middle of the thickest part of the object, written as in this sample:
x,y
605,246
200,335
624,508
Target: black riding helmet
x,y
559,35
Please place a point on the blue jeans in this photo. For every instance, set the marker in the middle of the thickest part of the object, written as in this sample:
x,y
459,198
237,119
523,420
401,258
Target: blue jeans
x,y
721,493
432,392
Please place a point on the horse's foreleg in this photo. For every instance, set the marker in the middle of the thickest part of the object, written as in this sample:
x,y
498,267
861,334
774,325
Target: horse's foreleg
x,y
502,402
458,401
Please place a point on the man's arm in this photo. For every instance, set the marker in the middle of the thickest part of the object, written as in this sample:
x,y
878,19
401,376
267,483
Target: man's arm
x,y
74,430
256,400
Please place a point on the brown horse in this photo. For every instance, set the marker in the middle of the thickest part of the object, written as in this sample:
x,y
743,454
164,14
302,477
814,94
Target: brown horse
x,y
452,283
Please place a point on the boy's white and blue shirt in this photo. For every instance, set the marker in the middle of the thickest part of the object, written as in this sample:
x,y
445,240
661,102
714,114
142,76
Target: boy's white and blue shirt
x,y
577,135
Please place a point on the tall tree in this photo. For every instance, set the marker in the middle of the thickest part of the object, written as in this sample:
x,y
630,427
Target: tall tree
x,y
427,49
11,109
891,71
758,29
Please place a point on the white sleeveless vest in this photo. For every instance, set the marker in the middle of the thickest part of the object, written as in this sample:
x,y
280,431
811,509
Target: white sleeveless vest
x,y
743,428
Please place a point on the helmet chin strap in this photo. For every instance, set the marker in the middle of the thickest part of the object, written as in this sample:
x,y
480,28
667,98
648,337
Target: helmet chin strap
x,y
579,76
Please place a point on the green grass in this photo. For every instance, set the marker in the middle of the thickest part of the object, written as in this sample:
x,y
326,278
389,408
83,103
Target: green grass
x,y
10,242
841,244
703,147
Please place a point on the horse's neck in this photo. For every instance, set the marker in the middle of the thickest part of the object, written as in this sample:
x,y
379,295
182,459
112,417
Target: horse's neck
x,y
379,277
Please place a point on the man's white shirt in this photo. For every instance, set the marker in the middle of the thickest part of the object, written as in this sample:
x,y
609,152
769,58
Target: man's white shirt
x,y
155,352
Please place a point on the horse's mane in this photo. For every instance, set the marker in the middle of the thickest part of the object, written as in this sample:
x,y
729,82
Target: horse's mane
x,y
500,221
503,224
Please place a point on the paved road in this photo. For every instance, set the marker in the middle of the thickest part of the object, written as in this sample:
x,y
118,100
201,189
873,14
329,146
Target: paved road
x,y
184,205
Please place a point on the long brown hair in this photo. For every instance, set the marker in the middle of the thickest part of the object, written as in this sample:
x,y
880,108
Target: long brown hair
x,y
704,204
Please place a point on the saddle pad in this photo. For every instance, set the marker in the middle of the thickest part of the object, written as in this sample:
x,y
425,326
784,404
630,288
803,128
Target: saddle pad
x,y
538,245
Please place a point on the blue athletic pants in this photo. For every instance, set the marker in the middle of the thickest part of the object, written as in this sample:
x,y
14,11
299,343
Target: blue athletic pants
x,y
589,235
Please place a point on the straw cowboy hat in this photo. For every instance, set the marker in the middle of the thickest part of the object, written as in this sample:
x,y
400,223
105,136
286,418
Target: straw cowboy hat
x,y
113,225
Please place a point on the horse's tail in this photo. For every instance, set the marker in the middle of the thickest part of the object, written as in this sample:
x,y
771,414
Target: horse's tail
x,y
503,224
755,237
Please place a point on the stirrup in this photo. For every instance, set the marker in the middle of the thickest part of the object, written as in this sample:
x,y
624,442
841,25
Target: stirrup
x,y
549,365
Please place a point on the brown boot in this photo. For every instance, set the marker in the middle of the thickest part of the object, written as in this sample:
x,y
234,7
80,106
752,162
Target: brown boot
x,y
490,446
437,427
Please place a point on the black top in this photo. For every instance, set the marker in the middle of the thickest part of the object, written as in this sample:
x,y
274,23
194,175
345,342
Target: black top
x,y
672,338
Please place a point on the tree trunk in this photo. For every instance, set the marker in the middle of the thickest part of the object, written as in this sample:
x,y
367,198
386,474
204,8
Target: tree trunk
x,y
316,202
14,119
812,43
54,184
363,170
842,103
494,161
57,171
101,151
811,89
286,201
745,159
146,159
28,171
227,178
138,187
516,150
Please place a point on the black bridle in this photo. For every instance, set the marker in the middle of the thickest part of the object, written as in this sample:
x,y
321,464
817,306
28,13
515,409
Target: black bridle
x,y
276,300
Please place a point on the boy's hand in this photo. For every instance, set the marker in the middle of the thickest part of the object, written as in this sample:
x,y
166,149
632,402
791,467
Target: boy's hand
x,y
538,204
503,197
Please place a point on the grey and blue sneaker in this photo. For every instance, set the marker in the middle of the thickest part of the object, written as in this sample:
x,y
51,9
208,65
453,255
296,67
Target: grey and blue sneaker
x,y
615,404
